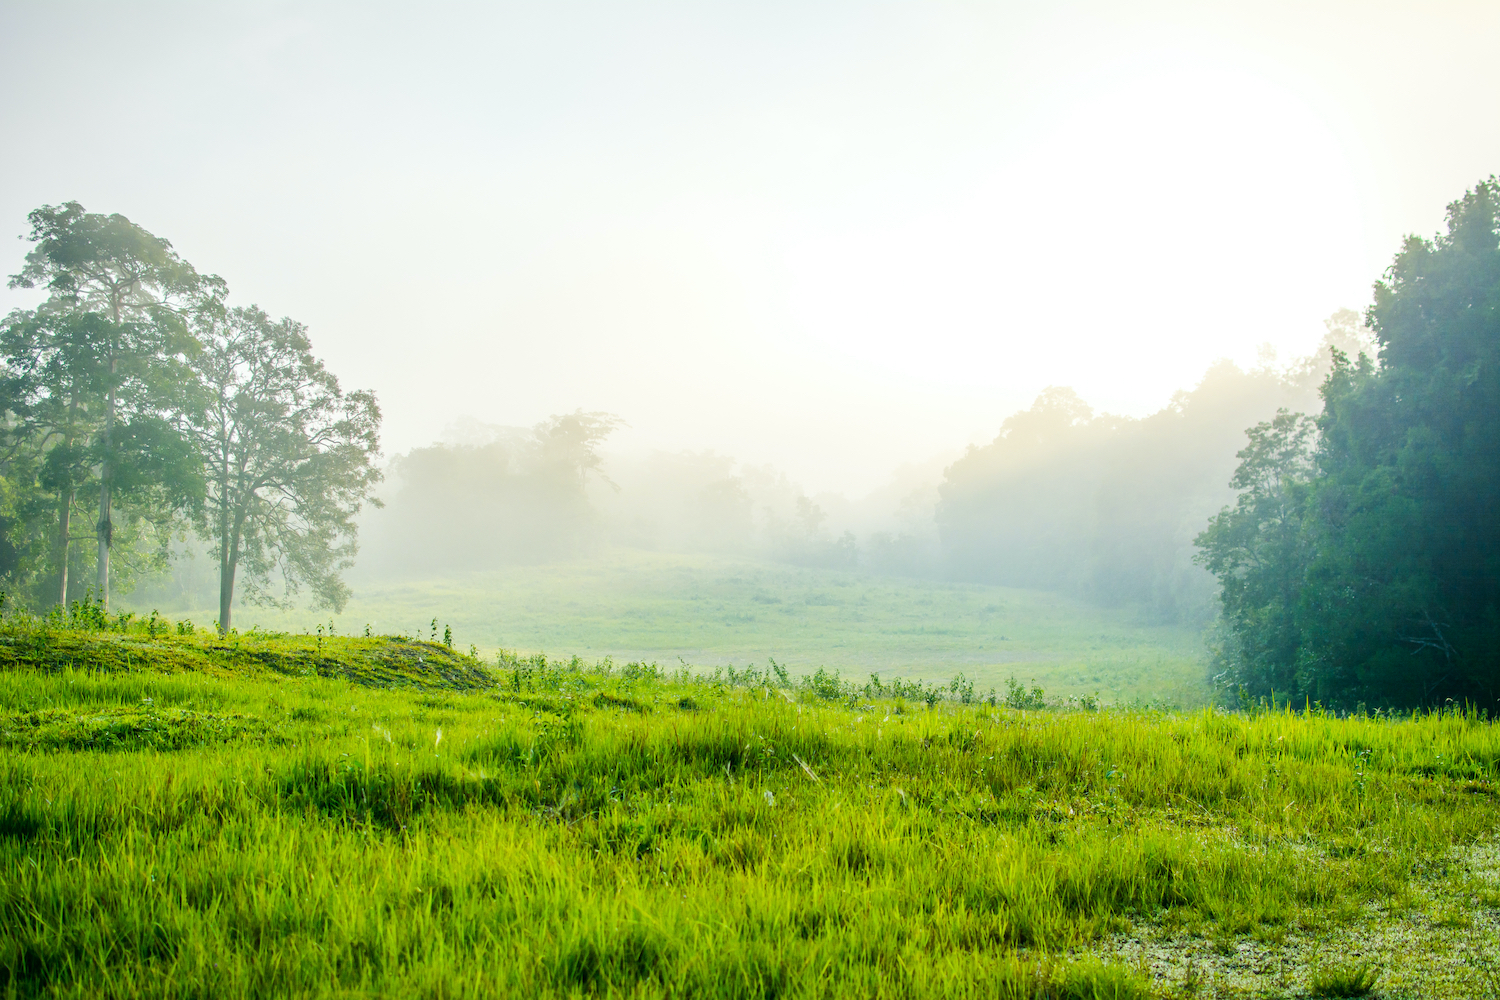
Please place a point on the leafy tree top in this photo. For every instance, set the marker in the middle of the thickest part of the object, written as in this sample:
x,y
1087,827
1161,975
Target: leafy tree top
x,y
108,263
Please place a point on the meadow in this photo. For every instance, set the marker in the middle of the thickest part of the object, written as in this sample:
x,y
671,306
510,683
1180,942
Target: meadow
x,y
716,611
285,815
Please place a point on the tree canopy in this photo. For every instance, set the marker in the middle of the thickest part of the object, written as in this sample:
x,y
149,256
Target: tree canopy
x,y
123,296
1363,565
289,459
133,377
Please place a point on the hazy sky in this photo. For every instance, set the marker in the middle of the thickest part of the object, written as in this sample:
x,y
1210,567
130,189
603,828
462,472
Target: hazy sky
x,y
834,236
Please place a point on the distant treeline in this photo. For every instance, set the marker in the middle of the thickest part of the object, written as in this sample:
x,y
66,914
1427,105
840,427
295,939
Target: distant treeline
x,y
1098,506
1106,507
508,495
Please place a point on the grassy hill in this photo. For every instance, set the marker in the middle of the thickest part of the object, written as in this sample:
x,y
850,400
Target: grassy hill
x,y
719,611
294,816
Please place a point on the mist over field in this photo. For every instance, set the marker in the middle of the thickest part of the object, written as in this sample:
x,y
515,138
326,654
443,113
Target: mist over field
x,y
985,297
750,501
1063,498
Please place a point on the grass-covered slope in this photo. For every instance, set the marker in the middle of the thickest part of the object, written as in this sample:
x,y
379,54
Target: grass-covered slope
x,y
381,661
546,831
714,610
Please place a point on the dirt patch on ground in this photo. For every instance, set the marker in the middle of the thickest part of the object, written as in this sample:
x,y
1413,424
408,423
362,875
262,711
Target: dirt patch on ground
x,y
1446,944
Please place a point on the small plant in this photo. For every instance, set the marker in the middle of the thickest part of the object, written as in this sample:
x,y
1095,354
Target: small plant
x,y
433,636
783,679
1341,980
825,684
1192,979
1016,695
367,630
448,636
185,627
155,625
962,688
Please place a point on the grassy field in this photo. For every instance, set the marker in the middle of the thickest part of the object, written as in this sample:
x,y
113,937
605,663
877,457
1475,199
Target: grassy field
x,y
713,611
182,816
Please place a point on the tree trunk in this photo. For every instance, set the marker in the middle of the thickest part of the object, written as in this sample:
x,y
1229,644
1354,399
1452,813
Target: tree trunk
x,y
106,529
64,516
229,559
226,595
65,513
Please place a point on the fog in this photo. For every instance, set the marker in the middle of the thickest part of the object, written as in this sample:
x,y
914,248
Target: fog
x,y
1064,498
963,292
834,239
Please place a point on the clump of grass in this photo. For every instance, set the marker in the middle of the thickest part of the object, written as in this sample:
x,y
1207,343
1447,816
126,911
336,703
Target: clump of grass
x,y
1339,979
138,727
1455,918
1094,980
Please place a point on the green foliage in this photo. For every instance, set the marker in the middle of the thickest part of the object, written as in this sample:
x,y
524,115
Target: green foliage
x,y
1256,549
562,828
83,638
133,383
1016,695
290,459
1372,573
143,728
65,359
106,263
109,345
1093,980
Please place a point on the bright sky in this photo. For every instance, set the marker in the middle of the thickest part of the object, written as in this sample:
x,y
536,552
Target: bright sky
x,y
833,236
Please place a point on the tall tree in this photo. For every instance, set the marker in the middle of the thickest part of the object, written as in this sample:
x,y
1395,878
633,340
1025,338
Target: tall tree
x,y
108,265
290,458
21,395
568,444
1388,584
59,352
1256,549
1404,581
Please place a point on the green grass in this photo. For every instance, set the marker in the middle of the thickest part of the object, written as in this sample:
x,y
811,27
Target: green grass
x,y
1343,980
716,611
547,829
